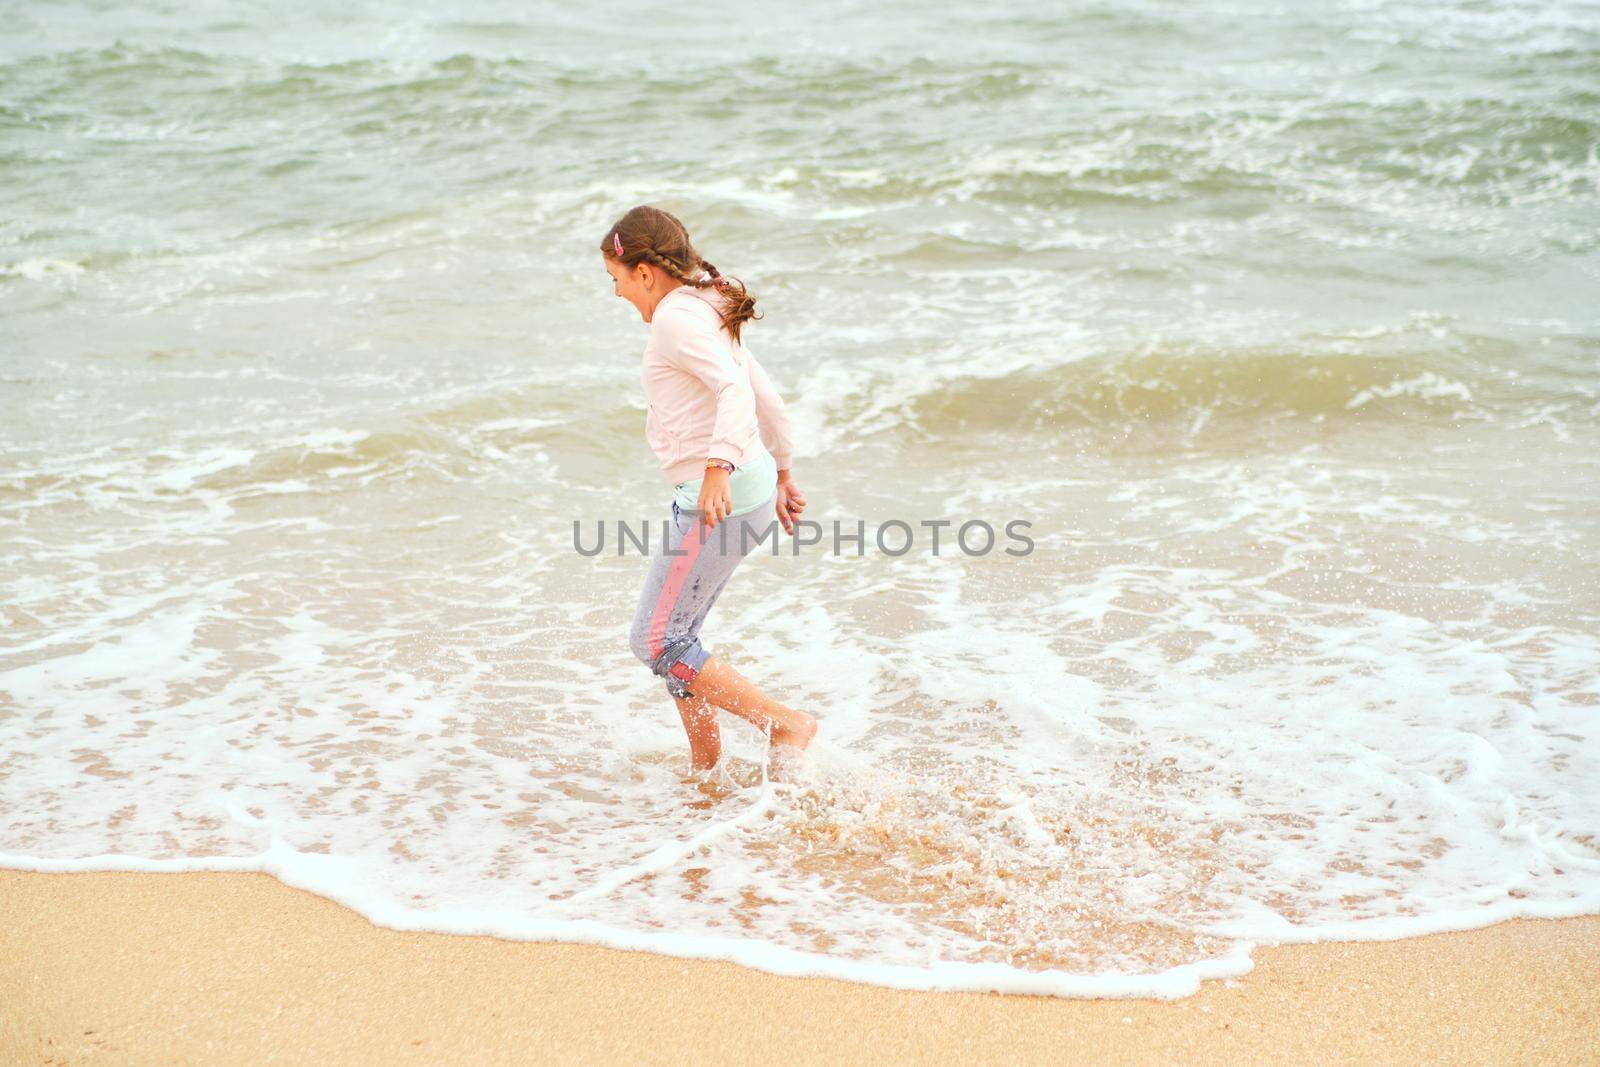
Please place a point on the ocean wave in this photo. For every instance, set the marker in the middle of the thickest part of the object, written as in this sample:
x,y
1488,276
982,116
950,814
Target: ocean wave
x,y
38,269
1115,392
452,442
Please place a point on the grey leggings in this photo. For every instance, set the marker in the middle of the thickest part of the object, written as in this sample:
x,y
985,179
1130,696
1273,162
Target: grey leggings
x,y
680,588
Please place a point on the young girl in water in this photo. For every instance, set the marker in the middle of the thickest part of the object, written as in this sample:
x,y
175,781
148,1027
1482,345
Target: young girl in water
x,y
721,434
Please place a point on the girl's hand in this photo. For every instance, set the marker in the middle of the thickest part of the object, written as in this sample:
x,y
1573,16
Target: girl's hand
x,y
791,502
715,500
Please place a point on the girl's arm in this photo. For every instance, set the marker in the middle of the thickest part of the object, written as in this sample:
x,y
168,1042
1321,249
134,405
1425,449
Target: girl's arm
x,y
771,415
688,343
774,421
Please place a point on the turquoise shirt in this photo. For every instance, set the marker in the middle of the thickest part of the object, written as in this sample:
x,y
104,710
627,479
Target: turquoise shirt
x,y
750,486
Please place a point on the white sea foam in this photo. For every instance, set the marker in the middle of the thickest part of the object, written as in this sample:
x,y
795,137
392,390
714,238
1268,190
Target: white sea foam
x,y
1033,776
35,269
1296,388
1427,385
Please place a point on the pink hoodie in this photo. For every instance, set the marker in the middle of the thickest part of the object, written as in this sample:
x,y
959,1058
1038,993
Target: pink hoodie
x,y
707,397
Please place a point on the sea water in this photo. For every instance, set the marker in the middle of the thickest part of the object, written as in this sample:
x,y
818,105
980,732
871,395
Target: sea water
x,y
1277,326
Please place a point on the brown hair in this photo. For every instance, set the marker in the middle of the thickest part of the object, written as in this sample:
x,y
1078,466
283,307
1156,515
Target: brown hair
x,y
649,235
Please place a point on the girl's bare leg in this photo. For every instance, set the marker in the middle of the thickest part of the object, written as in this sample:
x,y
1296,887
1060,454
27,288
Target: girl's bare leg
x,y
725,687
700,723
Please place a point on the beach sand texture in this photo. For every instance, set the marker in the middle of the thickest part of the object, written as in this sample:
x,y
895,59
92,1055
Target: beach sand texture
x,y
1272,326
111,967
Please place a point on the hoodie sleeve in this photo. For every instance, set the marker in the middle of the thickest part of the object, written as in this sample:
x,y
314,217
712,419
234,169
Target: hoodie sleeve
x,y
690,344
771,414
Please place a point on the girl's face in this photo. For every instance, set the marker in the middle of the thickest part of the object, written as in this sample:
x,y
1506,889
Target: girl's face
x,y
642,285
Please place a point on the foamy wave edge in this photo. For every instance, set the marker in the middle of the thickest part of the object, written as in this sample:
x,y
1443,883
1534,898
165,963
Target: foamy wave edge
x,y
330,877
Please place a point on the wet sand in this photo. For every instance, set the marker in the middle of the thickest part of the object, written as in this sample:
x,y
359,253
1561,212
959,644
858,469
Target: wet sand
x,y
211,968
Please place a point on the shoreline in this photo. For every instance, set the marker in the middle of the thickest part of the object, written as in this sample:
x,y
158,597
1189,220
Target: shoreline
x,y
202,966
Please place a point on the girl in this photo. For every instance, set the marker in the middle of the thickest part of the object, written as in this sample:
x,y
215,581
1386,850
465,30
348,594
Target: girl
x,y
721,433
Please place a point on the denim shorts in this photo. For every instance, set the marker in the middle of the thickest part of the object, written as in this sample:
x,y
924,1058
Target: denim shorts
x,y
683,582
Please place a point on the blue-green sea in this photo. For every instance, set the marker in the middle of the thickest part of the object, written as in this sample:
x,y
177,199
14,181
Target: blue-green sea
x,y
1278,324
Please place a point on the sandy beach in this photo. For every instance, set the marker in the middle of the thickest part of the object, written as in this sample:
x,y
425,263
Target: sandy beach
x,y
209,968
1196,414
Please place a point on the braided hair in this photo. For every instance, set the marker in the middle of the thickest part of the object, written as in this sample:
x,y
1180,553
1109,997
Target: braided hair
x,y
649,235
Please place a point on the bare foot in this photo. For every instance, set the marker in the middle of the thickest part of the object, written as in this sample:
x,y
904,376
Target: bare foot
x,y
798,736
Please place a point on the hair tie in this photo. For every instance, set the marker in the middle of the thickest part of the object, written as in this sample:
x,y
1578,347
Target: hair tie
x,y
616,242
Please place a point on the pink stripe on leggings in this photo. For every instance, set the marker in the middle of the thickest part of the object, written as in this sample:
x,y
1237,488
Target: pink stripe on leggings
x,y
676,576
